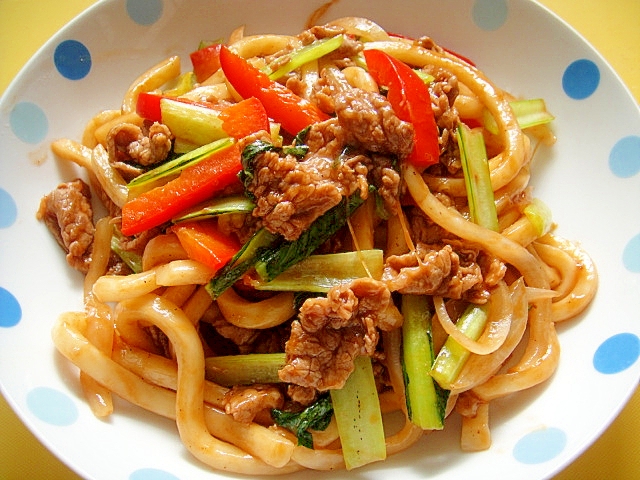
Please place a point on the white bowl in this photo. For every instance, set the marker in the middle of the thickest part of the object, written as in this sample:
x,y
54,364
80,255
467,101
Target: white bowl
x,y
590,178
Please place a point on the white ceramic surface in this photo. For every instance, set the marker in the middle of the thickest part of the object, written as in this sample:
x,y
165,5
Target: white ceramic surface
x,y
589,178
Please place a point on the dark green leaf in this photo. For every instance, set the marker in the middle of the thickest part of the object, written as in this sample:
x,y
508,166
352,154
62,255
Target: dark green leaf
x,y
241,262
316,416
301,137
275,261
298,151
249,153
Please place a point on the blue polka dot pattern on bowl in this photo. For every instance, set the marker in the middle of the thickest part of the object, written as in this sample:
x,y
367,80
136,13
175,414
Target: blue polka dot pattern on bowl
x,y
8,209
72,59
10,310
52,406
581,79
152,474
490,14
617,353
624,159
540,446
144,12
28,122
631,255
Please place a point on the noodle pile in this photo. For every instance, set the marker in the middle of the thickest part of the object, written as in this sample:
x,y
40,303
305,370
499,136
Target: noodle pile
x,y
548,280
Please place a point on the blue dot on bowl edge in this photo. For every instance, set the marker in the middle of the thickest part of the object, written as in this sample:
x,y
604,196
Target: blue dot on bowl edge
x,y
540,446
28,122
8,209
151,474
144,12
10,310
617,353
624,158
52,406
581,79
490,14
72,59
631,255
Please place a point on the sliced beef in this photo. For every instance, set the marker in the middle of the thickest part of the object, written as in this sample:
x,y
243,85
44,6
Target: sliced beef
x,y
132,148
244,402
331,331
368,118
444,90
450,270
302,395
67,213
291,194
237,335
387,180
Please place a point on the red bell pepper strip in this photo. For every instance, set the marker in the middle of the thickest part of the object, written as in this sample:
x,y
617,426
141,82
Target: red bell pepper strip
x,y
194,185
205,61
285,107
206,244
244,118
410,99
148,105
471,122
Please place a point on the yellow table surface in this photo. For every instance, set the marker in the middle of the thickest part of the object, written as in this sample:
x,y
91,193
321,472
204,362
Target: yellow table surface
x,y
613,27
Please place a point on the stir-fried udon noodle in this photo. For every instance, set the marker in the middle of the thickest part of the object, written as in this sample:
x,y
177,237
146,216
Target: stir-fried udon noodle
x,y
307,236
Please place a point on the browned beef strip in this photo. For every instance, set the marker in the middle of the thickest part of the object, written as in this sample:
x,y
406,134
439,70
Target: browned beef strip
x,y
330,332
449,270
291,194
368,118
67,213
430,271
131,148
